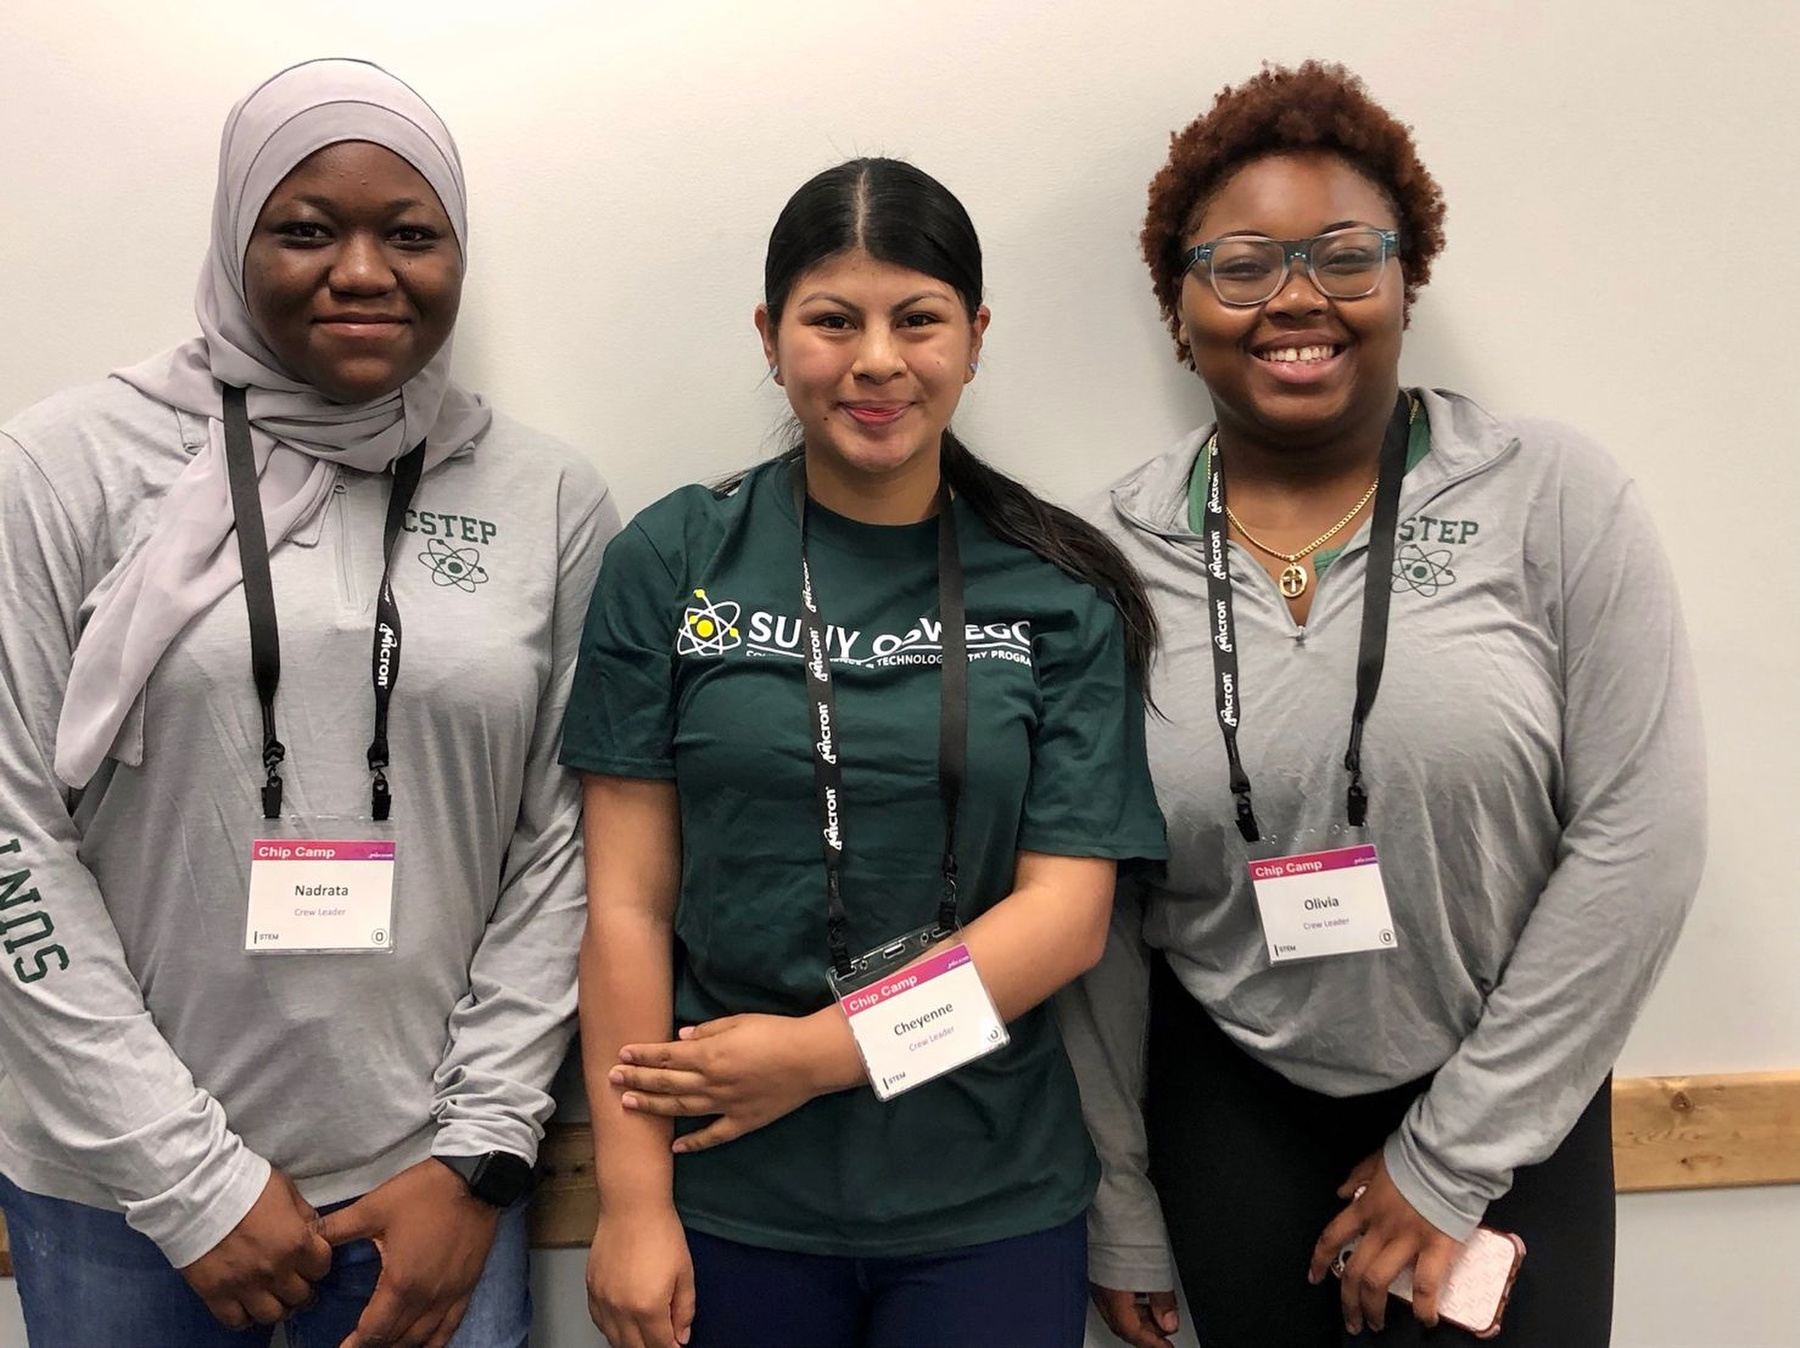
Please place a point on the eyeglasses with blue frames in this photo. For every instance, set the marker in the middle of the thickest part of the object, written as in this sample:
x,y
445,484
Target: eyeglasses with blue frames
x,y
1245,270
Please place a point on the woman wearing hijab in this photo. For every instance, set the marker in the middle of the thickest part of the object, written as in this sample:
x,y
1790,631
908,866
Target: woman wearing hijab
x,y
290,881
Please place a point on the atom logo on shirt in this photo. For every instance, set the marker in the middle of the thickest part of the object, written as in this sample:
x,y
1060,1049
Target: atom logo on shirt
x,y
450,565
1422,572
708,628
1420,566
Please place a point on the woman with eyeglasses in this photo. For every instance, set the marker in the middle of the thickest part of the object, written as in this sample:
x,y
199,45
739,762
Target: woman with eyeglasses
x,y
1432,771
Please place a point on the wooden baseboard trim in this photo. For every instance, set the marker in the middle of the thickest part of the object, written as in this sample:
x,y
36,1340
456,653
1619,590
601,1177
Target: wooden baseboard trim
x,y
1698,1132
565,1206
1706,1132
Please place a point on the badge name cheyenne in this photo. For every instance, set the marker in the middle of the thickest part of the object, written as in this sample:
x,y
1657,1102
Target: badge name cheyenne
x,y
320,894
923,1021
1323,903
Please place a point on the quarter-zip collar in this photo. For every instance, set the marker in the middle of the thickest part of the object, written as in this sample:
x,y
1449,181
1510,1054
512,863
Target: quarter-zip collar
x,y
1466,439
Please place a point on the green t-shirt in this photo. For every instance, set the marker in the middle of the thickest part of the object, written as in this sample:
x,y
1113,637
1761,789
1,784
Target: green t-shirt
x,y
690,669
1418,445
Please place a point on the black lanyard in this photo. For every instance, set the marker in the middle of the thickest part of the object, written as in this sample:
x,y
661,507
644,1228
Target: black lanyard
x,y
259,599
953,720
1372,655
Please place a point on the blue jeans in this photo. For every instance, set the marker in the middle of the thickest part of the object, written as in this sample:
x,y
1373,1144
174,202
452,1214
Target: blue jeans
x,y
86,1279
1025,1290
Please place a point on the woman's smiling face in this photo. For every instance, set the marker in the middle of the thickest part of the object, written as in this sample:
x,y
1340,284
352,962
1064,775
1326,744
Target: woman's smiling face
x,y
874,357
353,275
1301,364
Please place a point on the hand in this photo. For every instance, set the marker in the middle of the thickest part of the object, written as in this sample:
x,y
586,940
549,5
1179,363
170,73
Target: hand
x,y
1142,1319
1394,1238
265,1268
433,1239
640,1279
749,1070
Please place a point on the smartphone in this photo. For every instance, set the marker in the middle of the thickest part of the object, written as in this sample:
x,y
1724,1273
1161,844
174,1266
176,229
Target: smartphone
x,y
1476,1289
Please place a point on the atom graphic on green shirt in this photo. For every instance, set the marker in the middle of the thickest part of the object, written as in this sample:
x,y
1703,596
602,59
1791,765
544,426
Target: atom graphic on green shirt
x,y
709,628
460,567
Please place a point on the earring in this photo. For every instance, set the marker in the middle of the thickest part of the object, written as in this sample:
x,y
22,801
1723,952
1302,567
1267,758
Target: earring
x,y
974,365
775,373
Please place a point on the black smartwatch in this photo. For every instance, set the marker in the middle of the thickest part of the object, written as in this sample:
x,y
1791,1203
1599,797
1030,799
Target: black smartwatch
x,y
498,1179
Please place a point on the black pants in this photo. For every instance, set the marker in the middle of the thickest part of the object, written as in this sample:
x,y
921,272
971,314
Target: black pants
x,y
1248,1164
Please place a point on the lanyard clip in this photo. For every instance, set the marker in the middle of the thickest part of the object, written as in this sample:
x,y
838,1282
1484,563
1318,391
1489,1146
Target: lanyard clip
x,y
381,800
1358,807
836,922
947,903
273,753
840,948
1246,816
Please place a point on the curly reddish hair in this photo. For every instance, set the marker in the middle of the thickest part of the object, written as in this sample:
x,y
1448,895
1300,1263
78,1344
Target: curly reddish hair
x,y
1317,106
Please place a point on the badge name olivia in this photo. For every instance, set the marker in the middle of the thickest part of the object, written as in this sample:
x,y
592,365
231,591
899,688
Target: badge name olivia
x,y
923,1021
320,894
1323,903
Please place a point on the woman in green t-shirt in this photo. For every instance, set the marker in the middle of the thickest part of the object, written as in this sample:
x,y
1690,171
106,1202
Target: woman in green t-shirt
x,y
785,772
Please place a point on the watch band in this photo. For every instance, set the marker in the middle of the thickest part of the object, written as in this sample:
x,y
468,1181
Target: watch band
x,y
497,1178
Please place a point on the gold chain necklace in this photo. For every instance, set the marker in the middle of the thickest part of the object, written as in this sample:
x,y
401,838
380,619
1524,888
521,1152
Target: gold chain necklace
x,y
1294,579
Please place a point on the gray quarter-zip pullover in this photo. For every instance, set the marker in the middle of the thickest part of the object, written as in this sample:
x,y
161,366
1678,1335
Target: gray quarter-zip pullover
x,y
147,1063
1535,769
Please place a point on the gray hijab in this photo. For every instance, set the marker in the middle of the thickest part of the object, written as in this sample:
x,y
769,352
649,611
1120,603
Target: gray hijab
x,y
188,558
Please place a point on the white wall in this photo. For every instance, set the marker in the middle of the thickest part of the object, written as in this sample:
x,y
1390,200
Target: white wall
x,y
1623,215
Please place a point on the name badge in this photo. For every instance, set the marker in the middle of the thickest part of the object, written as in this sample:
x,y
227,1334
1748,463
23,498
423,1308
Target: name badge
x,y
1315,904
320,895
923,1020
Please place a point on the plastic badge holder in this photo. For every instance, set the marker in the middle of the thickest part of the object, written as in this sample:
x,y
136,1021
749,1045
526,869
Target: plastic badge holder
x,y
918,1009
321,884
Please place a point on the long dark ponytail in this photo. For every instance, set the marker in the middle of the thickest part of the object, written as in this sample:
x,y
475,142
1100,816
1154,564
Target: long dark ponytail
x,y
901,215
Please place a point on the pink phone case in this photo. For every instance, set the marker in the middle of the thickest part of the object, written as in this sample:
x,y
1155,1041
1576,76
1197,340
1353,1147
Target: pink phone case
x,y
1480,1280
